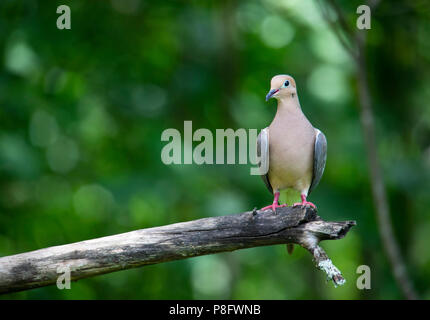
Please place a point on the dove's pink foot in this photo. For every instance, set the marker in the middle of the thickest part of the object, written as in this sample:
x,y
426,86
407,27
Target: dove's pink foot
x,y
304,202
273,207
275,203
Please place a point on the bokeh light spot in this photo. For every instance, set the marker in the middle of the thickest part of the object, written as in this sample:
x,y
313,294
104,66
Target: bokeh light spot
x,y
20,58
43,129
93,201
63,155
211,277
276,32
329,84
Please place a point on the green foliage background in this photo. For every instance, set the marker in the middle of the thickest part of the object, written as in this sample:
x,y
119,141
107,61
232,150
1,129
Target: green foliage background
x,y
82,112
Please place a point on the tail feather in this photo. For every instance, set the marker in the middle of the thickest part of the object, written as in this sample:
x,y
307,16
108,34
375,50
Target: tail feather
x,y
290,196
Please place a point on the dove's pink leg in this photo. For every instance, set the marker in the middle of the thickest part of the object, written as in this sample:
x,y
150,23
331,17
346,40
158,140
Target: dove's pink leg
x,y
304,202
275,203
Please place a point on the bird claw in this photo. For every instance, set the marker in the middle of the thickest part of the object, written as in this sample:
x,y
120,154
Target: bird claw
x,y
273,207
304,204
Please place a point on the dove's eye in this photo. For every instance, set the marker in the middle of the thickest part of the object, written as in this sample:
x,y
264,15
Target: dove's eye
x,y
286,83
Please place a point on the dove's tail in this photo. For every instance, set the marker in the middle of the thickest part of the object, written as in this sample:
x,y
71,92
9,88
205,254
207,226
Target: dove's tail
x,y
290,196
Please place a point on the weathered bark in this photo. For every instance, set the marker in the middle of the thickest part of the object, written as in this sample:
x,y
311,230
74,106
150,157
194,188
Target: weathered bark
x,y
84,259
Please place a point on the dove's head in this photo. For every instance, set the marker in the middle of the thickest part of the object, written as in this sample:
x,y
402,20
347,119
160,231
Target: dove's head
x,y
282,87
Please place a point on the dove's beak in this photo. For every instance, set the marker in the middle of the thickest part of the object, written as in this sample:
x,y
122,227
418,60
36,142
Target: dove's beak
x,y
271,94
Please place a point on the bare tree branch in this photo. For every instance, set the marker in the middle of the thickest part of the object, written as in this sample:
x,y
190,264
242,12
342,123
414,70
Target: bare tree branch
x,y
299,225
378,189
368,128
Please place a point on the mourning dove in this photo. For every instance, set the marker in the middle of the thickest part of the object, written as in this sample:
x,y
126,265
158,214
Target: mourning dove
x,y
293,149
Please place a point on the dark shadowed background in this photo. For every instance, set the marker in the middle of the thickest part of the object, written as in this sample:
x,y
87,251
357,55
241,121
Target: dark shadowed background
x,y
82,112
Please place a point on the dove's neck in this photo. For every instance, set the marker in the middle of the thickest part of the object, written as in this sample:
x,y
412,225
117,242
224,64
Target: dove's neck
x,y
288,107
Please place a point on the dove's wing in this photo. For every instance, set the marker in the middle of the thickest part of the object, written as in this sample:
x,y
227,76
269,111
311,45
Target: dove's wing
x,y
263,155
320,156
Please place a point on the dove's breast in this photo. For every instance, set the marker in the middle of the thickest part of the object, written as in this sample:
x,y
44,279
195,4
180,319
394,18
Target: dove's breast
x,y
291,152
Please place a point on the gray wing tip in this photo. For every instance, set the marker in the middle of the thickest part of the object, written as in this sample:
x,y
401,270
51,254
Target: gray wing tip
x,y
263,153
320,157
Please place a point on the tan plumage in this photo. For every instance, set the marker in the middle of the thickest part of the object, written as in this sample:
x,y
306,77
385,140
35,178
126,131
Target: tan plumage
x,y
291,145
297,151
